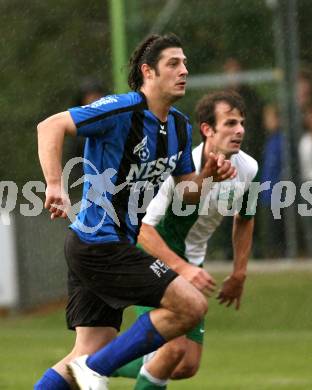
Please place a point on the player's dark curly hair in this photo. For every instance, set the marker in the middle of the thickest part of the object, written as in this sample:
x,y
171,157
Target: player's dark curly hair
x,y
148,52
206,106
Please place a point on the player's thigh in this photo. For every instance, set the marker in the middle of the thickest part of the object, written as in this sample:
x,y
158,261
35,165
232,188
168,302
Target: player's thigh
x,y
87,310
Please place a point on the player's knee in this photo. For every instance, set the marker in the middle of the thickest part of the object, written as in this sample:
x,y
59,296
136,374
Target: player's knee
x,y
202,305
177,351
197,308
187,370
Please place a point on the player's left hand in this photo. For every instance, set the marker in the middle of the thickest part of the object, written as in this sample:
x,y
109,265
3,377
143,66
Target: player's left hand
x,y
231,291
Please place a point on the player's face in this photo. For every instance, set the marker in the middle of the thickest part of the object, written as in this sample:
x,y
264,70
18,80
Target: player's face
x,y
229,130
169,78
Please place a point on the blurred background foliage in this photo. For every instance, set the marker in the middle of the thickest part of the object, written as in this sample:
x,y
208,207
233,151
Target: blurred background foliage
x,y
213,30
48,47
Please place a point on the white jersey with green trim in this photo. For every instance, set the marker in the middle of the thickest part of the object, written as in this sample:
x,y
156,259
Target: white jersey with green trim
x,y
188,232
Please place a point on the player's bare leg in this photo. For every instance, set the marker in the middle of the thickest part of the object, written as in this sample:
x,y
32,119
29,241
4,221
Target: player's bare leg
x,y
189,364
177,359
88,341
167,358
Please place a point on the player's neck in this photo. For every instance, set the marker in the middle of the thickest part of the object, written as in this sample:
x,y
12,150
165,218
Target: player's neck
x,y
159,106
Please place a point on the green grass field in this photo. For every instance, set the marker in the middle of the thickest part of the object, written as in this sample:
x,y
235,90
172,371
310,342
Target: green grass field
x,y
267,345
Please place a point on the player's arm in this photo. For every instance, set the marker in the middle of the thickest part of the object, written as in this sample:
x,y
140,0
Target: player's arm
x,y
232,286
242,242
216,169
154,244
51,133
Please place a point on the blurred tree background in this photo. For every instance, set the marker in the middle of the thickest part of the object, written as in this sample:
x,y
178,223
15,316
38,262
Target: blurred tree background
x,y
213,30
48,47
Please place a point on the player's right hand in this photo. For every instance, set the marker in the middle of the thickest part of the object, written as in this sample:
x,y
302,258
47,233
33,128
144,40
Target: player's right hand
x,y
199,278
231,291
57,201
218,167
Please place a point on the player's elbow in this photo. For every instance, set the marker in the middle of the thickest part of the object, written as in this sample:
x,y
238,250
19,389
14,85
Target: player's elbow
x,y
59,124
40,127
43,126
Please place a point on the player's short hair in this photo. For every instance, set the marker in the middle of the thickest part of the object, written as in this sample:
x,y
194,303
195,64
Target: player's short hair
x,y
149,52
205,110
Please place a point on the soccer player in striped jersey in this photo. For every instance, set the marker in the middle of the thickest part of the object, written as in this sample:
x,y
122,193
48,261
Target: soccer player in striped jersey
x,y
181,240
133,141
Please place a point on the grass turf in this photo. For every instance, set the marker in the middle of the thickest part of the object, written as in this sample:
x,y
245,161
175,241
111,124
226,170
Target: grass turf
x,y
267,345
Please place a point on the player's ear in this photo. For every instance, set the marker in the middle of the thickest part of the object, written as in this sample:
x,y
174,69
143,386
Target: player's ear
x,y
147,71
206,130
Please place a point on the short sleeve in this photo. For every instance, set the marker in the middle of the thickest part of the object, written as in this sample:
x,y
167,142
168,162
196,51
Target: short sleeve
x,y
97,118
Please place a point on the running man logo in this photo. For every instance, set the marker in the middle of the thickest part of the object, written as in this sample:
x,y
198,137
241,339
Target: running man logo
x,y
99,186
142,150
102,184
159,268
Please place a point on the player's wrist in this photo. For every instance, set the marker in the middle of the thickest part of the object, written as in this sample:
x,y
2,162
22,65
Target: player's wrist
x,y
239,276
205,173
53,183
179,266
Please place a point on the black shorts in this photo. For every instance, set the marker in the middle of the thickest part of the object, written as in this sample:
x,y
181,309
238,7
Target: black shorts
x,y
103,279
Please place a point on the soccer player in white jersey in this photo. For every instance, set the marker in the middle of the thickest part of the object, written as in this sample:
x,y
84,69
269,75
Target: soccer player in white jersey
x,y
181,241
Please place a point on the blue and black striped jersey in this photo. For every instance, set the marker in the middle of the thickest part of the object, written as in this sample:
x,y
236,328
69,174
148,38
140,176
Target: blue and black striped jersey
x,y
128,154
